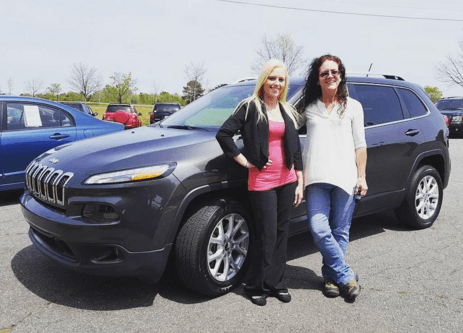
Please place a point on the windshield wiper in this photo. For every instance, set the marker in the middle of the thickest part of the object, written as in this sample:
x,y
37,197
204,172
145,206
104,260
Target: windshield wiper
x,y
188,127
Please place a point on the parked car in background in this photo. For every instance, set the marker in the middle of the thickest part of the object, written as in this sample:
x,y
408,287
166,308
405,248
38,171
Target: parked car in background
x,y
452,107
163,110
125,114
81,107
30,126
128,204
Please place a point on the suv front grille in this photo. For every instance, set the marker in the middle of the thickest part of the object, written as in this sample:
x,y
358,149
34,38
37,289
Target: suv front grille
x,y
47,183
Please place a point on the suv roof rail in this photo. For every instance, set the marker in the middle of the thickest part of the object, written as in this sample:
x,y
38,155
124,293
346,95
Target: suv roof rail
x,y
249,78
452,97
387,76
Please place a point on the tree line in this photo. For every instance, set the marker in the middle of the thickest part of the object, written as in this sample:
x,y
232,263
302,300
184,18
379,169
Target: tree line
x,y
86,84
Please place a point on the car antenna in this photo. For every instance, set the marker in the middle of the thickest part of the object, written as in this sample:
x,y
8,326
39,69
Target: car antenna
x,y
369,69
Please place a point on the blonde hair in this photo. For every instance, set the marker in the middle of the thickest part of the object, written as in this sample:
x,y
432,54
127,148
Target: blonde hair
x,y
257,96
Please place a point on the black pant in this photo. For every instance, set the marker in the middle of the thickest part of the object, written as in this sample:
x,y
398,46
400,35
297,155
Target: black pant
x,y
272,212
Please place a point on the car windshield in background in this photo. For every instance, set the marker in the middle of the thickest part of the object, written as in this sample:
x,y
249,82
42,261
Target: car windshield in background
x,y
211,110
115,108
450,104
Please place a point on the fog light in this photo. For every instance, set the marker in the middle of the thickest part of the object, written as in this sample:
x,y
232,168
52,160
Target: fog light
x,y
100,213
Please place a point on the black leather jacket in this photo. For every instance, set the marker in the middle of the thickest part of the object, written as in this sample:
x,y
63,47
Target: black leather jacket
x,y
256,135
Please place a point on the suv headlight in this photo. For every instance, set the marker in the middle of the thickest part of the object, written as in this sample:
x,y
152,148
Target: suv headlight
x,y
457,118
132,175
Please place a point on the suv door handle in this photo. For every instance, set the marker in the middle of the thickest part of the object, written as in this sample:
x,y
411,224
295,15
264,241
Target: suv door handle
x,y
412,132
59,136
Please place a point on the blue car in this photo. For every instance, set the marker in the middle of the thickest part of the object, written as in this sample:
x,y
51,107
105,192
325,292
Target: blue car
x,y
30,126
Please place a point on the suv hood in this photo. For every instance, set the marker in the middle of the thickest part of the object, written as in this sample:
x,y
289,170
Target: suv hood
x,y
123,150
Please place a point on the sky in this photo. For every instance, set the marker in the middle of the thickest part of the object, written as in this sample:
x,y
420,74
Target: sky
x,y
155,40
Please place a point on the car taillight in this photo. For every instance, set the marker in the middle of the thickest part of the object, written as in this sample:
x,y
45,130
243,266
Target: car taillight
x,y
152,115
446,120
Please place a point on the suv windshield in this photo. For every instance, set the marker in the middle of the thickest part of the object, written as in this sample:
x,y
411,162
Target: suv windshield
x,y
450,104
114,108
167,107
214,108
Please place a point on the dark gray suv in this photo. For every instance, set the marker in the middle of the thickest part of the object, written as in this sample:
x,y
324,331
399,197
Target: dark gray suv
x,y
127,205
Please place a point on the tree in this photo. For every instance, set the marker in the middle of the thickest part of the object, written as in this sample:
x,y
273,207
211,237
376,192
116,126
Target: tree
x,y
195,76
124,85
451,71
10,85
54,89
33,86
283,48
84,80
434,93
192,91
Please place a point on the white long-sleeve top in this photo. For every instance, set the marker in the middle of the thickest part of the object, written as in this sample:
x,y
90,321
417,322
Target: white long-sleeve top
x,y
329,149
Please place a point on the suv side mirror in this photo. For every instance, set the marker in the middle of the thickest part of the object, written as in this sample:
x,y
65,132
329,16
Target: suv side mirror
x,y
139,113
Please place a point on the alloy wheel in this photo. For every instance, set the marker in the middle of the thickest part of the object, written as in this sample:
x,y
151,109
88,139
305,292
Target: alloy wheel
x,y
228,247
427,197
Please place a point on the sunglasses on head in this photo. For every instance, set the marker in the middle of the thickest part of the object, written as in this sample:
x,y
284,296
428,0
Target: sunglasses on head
x,y
332,71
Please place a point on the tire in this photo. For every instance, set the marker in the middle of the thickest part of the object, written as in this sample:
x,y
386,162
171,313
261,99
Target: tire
x,y
423,200
212,247
121,116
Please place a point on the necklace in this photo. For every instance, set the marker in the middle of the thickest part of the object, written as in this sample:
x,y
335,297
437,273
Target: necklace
x,y
273,112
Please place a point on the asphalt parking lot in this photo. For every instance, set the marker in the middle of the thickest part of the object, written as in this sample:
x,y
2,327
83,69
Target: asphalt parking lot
x,y
412,282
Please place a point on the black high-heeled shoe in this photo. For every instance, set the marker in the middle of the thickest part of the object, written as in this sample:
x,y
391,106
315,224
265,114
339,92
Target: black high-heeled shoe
x,y
284,297
260,300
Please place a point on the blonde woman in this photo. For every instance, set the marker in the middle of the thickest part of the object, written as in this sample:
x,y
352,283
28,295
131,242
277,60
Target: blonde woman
x,y
272,154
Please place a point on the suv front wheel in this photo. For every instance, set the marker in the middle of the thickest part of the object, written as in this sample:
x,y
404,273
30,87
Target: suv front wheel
x,y
423,199
212,248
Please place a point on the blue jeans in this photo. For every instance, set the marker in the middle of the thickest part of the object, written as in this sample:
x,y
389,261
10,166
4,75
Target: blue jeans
x,y
329,210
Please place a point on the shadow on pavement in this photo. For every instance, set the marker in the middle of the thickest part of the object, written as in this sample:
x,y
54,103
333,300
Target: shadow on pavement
x,y
8,198
60,285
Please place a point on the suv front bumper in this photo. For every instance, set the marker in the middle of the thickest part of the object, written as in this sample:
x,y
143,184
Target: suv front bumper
x,y
93,249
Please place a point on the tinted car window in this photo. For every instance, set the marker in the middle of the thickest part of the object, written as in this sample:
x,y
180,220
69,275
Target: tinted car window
x,y
114,108
25,116
450,104
380,104
75,106
167,107
413,103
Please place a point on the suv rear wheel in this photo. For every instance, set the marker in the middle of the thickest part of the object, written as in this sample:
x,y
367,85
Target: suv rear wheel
x,y
212,247
423,199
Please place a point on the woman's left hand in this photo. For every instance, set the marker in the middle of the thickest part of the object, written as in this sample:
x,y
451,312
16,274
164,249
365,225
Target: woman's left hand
x,y
298,195
362,186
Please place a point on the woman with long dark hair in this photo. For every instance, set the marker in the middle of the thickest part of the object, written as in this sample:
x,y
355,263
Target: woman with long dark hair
x,y
334,169
272,154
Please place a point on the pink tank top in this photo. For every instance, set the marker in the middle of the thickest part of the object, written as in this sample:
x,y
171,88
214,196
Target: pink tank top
x,y
276,174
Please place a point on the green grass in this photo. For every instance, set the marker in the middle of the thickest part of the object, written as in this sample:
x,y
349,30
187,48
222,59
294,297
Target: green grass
x,y
143,109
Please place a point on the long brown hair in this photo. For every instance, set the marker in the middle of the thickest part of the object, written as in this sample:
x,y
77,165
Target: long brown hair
x,y
313,91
